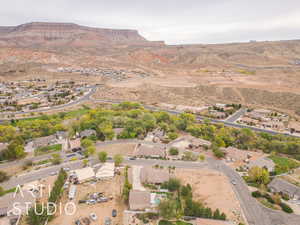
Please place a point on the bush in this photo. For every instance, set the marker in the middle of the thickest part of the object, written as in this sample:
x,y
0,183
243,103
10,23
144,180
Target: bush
x,y
286,208
3,176
173,151
256,194
269,198
172,185
165,222
102,156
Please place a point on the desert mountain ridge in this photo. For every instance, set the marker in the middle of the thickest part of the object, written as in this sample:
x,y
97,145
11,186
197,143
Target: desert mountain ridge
x,y
261,74
71,34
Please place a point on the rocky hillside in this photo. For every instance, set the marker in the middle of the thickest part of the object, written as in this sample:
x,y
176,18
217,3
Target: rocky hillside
x,y
57,34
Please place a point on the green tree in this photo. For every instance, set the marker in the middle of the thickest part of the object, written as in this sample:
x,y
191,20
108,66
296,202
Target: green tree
x,y
85,143
90,150
56,159
172,185
202,157
259,175
167,209
102,156
118,159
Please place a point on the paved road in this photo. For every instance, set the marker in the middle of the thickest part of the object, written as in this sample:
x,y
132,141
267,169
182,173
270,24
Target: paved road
x,y
45,172
235,116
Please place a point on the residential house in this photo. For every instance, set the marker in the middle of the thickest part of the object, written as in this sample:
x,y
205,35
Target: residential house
x,y
235,154
155,136
263,163
107,171
278,185
154,176
294,127
44,141
87,133
189,142
61,135
217,114
152,151
84,174
22,198
263,112
75,145
274,125
27,101
139,200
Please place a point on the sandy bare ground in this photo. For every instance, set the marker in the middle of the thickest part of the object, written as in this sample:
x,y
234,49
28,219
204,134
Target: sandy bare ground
x,y
114,149
213,189
102,210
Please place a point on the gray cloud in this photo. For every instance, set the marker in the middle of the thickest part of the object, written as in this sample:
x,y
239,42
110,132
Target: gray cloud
x,y
176,22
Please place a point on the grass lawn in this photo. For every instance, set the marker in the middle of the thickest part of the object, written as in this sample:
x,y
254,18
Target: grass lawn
x,y
7,191
283,164
48,149
42,162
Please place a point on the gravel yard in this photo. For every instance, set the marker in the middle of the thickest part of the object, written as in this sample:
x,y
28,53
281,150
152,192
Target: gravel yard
x,y
213,189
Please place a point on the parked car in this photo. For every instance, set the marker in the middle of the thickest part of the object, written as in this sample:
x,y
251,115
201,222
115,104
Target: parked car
x,y
77,222
107,221
53,173
93,216
91,202
233,182
102,199
66,169
114,213
71,155
81,201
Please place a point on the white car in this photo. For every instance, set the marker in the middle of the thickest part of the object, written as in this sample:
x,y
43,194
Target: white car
x,y
67,169
93,216
91,202
53,173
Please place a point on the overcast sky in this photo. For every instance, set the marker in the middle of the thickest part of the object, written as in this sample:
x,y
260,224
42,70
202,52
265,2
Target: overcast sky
x,y
176,22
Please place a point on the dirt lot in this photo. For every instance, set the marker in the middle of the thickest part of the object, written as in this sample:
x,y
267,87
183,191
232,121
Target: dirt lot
x,y
213,189
102,210
114,149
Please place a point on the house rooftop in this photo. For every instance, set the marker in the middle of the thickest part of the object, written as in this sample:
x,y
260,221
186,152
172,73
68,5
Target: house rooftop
x,y
280,185
154,176
149,150
85,174
139,200
263,162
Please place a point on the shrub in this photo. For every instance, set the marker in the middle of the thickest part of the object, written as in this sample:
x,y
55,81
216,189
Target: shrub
x,y
269,198
3,176
286,208
173,151
256,194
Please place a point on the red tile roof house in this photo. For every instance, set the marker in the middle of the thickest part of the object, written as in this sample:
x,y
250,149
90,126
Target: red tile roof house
x,y
149,151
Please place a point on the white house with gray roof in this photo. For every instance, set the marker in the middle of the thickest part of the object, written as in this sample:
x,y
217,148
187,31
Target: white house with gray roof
x,y
281,186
